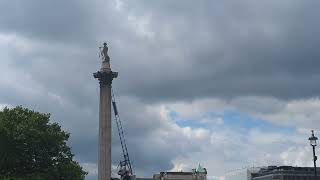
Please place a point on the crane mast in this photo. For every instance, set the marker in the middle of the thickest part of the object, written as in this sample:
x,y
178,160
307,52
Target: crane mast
x,y
125,168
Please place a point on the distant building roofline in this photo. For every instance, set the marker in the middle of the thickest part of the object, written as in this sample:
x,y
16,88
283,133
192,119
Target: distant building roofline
x,y
284,170
177,172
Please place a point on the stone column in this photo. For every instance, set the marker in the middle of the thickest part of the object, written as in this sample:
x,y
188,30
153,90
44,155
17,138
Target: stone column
x,y
105,77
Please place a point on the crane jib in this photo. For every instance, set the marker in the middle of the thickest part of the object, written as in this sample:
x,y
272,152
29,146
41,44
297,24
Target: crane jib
x,y
125,165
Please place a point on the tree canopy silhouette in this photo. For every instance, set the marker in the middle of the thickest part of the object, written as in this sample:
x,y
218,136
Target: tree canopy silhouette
x,y
33,148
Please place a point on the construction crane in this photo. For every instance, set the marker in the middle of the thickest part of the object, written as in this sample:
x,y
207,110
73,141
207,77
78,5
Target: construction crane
x,y
124,167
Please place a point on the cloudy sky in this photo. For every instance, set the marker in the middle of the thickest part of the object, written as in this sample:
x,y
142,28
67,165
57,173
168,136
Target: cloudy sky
x,y
227,84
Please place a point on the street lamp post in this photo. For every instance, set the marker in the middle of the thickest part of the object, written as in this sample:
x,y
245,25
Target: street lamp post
x,y
313,143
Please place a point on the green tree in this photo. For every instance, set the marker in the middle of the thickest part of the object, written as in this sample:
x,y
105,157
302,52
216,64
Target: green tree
x,y
32,148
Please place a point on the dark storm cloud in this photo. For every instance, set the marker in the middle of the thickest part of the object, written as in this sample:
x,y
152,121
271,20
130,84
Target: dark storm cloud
x,y
213,48
58,21
228,49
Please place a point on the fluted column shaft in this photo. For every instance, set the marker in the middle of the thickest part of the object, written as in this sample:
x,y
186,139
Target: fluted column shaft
x,y
105,78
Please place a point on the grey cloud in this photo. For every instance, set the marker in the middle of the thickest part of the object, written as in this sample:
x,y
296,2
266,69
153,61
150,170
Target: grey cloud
x,y
194,50
254,49
150,138
55,21
224,49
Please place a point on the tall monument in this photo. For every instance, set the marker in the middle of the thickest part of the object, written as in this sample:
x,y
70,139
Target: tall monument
x,y
105,77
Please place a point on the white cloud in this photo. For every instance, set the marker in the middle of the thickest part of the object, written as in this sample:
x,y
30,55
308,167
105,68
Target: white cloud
x,y
229,148
300,114
141,25
297,113
180,166
196,108
297,156
2,106
119,5
91,168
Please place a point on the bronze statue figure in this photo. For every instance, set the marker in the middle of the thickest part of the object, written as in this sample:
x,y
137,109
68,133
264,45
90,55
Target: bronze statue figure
x,y
104,53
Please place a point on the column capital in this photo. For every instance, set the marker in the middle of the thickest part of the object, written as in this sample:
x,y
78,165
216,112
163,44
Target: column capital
x,y
105,77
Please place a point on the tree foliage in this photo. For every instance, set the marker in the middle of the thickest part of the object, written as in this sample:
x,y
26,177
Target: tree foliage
x,y
33,148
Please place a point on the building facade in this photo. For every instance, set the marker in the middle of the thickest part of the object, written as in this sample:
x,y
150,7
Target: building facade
x,y
286,173
242,174
197,174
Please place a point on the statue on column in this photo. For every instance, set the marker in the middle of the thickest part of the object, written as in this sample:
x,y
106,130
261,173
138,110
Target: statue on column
x,y
104,53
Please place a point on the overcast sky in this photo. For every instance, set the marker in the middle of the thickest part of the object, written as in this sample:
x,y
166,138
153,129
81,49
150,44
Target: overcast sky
x,y
226,84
